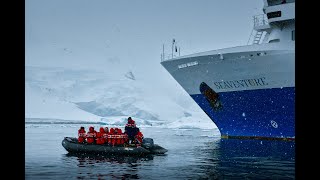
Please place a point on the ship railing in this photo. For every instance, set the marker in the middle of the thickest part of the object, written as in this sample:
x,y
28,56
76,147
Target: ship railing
x,y
167,57
260,20
260,23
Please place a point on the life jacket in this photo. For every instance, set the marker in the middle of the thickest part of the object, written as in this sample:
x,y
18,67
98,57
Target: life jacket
x,y
130,121
100,136
116,137
119,137
130,125
117,131
111,130
110,139
81,135
105,135
91,135
125,138
139,137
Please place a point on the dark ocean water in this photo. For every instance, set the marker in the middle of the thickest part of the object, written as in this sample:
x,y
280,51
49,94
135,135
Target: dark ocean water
x,y
192,154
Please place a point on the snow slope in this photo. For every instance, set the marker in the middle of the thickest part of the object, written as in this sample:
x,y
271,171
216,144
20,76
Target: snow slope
x,y
113,95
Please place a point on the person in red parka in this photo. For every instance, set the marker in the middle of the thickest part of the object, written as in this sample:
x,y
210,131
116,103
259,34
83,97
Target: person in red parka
x,y
81,135
116,135
131,130
106,129
118,131
105,135
111,139
139,138
130,121
111,130
101,136
119,136
91,135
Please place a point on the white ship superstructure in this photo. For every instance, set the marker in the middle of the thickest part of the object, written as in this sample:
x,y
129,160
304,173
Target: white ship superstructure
x,y
248,91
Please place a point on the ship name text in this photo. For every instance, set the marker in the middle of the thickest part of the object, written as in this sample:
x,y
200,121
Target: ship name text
x,y
241,83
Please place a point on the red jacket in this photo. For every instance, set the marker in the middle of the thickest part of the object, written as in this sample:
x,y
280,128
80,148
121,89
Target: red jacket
x,y
111,131
116,137
110,139
139,137
101,136
120,139
91,135
118,131
81,135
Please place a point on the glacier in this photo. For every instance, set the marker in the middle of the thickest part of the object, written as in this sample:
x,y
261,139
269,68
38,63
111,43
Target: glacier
x,y
59,94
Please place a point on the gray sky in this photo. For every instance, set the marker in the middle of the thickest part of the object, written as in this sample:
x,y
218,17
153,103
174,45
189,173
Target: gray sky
x,y
88,33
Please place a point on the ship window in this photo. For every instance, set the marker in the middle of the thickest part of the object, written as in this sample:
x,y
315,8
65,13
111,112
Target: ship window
x,y
274,14
293,35
274,40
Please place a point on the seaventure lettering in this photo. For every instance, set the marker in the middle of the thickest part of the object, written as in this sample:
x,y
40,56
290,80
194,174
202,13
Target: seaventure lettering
x,y
241,83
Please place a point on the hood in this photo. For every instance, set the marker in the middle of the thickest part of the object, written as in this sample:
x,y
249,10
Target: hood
x,y
102,130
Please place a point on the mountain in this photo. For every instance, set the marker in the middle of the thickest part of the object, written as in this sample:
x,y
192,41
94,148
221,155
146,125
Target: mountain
x,y
102,95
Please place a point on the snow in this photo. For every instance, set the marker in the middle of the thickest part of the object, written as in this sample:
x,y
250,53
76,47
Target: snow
x,y
190,123
40,105
122,120
110,97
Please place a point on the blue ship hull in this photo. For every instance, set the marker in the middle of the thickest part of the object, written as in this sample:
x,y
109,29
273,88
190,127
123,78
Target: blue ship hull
x,y
260,113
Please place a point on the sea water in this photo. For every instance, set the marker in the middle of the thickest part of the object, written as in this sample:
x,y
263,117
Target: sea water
x,y
192,154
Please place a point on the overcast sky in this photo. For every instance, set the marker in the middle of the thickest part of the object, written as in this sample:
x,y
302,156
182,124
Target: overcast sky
x,y
88,33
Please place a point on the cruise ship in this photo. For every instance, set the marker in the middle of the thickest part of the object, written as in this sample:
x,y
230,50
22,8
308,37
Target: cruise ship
x,y
247,91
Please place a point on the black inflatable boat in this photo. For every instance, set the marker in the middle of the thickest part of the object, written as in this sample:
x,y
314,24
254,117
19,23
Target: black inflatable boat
x,y
148,147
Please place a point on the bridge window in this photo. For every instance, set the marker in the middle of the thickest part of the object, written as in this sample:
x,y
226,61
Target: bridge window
x,y
274,14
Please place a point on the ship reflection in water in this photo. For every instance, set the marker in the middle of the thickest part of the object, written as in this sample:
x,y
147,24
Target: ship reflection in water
x,y
253,159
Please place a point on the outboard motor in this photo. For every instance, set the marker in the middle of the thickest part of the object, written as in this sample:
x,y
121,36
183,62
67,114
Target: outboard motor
x,y
147,143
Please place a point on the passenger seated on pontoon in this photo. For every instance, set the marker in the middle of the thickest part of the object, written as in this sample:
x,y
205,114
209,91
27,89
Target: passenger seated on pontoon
x,y
91,135
81,135
111,140
105,136
100,136
106,129
122,138
139,138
